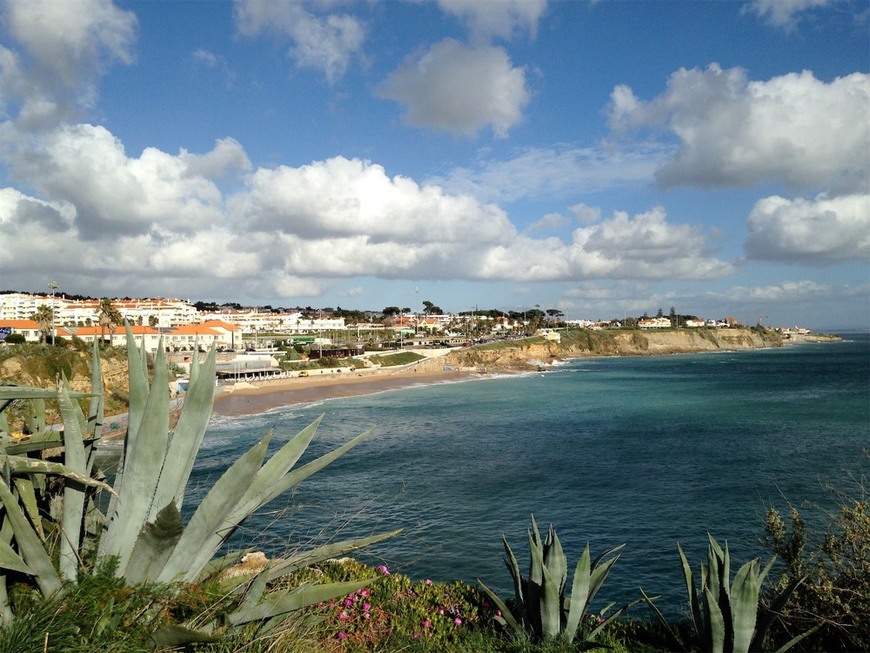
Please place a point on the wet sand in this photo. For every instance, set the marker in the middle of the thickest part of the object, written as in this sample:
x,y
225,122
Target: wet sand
x,y
249,398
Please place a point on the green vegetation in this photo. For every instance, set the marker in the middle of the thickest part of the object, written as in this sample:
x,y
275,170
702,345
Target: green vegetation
x,y
138,577
834,598
393,360
541,608
727,617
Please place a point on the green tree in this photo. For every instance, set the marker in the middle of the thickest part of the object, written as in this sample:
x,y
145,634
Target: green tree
x,y
109,316
44,318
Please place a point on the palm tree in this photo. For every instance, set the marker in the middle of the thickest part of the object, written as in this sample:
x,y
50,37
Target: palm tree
x,y
44,318
110,317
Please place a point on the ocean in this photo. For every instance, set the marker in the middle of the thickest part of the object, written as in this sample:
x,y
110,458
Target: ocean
x,y
641,451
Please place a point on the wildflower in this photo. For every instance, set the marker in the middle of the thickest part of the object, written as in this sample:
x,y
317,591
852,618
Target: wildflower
x,y
428,581
366,615
427,623
342,615
498,613
363,593
457,621
348,603
342,635
384,570
366,607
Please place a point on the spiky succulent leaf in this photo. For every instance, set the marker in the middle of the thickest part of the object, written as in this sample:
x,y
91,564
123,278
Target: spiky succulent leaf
x,y
512,622
551,605
517,577
271,606
29,545
325,552
744,605
27,497
691,592
11,560
154,546
716,623
210,525
73,493
142,465
187,438
579,595
24,465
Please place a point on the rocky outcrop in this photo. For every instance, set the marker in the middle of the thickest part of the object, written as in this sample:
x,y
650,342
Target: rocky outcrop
x,y
522,355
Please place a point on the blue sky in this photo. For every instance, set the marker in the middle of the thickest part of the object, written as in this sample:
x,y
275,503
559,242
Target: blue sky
x,y
603,158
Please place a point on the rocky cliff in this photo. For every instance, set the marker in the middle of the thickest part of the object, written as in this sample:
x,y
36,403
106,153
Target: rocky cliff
x,y
533,353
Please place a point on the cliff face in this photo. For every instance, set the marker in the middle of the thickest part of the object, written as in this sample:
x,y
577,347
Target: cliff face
x,y
530,355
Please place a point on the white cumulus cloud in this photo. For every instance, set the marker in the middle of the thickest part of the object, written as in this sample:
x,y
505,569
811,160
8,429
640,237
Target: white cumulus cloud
x,y
62,48
795,129
459,88
783,13
503,19
820,231
328,42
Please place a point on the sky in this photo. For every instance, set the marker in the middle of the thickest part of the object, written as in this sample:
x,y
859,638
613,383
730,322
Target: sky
x,y
603,158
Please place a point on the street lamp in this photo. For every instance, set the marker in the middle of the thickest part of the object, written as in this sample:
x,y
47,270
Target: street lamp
x,y
53,286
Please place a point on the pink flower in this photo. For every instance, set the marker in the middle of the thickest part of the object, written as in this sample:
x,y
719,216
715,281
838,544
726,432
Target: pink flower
x,y
366,615
441,611
342,615
427,623
342,635
366,607
363,592
383,568
348,603
428,581
457,621
498,613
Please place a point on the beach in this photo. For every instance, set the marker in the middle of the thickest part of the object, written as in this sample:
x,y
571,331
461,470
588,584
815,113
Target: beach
x,y
249,398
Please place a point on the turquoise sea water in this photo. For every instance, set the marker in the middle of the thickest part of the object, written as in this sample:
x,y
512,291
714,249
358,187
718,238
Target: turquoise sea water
x,y
644,452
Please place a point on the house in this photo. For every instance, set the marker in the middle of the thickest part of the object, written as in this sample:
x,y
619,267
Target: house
x,y
27,328
654,323
146,336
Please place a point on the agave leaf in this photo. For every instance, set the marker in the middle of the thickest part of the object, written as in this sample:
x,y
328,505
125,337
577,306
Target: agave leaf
x,y
293,478
154,546
694,606
35,442
187,439
599,575
769,615
716,623
27,496
556,561
144,460
514,569
579,595
262,490
325,552
11,560
29,545
796,640
73,493
6,615
174,636
744,605
509,618
211,524
650,601
24,465
139,391
304,596
551,605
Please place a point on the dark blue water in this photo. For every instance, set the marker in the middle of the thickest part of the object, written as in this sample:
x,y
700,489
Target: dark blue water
x,y
644,452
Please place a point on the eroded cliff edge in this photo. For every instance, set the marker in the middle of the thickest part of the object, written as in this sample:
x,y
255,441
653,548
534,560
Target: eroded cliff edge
x,y
521,355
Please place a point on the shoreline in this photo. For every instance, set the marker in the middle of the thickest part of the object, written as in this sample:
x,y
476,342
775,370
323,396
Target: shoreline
x,y
250,398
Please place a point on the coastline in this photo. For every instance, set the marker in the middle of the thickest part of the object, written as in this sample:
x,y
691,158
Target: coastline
x,y
248,398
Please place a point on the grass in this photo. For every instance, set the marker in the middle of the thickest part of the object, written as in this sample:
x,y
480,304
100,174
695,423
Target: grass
x,y
392,360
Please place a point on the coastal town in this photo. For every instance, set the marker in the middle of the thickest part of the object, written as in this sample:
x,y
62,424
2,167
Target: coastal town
x,y
185,326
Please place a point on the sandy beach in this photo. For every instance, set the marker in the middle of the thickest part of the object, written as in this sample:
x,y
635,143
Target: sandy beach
x,y
248,398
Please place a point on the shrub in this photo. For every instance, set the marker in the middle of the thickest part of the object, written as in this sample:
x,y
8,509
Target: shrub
x,y
835,597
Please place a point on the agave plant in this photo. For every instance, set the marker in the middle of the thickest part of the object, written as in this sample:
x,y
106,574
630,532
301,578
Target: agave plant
x,y
540,606
726,616
143,535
